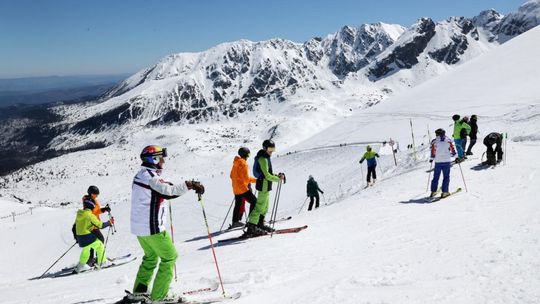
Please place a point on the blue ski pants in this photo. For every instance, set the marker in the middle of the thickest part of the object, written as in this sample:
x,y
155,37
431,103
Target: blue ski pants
x,y
445,169
459,147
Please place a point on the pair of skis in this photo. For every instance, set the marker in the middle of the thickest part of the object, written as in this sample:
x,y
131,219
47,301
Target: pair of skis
x,y
278,231
438,198
132,299
68,271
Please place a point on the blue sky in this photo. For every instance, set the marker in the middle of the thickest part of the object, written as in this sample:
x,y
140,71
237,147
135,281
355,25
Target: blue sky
x,y
78,37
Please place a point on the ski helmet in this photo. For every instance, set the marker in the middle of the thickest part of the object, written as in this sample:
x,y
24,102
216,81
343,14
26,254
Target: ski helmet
x,y
465,119
88,203
440,132
93,190
368,148
456,117
268,143
153,154
244,152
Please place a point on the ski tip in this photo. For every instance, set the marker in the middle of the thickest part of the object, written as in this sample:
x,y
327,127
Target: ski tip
x,y
235,296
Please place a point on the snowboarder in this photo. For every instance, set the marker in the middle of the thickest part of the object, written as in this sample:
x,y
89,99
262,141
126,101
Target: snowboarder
x,y
442,151
241,184
262,170
472,135
148,222
458,139
491,139
85,223
313,192
371,164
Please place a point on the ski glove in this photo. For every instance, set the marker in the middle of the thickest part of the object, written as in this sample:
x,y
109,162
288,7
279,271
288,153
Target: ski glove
x,y
431,160
194,185
106,208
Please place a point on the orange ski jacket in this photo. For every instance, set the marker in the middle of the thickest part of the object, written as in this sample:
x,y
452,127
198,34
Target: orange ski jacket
x,y
240,176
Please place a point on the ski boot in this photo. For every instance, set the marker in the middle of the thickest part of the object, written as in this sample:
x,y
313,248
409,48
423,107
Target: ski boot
x,y
264,227
253,230
445,194
433,194
236,225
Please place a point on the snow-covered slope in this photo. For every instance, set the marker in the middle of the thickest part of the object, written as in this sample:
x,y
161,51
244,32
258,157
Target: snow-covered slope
x,y
374,245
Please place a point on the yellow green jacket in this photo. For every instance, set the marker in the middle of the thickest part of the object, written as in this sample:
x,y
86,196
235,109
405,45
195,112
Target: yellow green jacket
x,y
85,222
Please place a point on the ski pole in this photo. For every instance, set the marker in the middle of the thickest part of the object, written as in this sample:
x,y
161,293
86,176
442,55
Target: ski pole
x,y
105,245
463,177
226,215
362,171
211,243
172,238
505,146
302,207
58,259
276,203
429,175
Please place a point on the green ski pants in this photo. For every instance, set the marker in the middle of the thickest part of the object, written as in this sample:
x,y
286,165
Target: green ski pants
x,y
99,249
261,207
157,247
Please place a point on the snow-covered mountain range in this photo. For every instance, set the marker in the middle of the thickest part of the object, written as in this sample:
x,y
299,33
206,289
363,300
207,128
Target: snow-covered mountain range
x,y
264,84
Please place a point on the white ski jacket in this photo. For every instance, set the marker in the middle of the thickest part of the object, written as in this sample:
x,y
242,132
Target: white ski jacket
x,y
148,212
442,149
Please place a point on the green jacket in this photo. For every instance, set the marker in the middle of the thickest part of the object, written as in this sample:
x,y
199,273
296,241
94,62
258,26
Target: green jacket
x,y
86,221
370,156
458,125
264,184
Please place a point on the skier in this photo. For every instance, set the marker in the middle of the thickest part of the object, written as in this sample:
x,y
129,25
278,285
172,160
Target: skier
x,y
148,221
85,223
241,186
262,169
371,164
93,193
472,135
313,192
458,139
442,151
491,139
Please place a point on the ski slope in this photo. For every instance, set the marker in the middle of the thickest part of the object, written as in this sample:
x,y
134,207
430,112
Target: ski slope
x,y
374,245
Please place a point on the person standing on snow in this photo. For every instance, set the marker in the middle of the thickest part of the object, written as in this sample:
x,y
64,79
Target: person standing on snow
x,y
472,135
262,169
458,139
85,223
442,151
93,193
149,220
313,192
371,164
241,186
491,139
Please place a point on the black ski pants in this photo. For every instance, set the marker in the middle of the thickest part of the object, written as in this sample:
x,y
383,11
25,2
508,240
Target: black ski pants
x,y
311,199
239,200
371,173
490,152
471,144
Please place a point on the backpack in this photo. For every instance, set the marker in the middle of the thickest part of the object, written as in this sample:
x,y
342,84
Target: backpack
x,y
257,173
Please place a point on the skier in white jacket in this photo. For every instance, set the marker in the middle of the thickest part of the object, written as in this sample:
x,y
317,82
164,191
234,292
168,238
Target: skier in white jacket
x,y
149,221
442,151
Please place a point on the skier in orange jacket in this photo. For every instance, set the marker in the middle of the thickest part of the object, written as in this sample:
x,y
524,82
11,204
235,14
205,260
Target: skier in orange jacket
x,y
241,186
